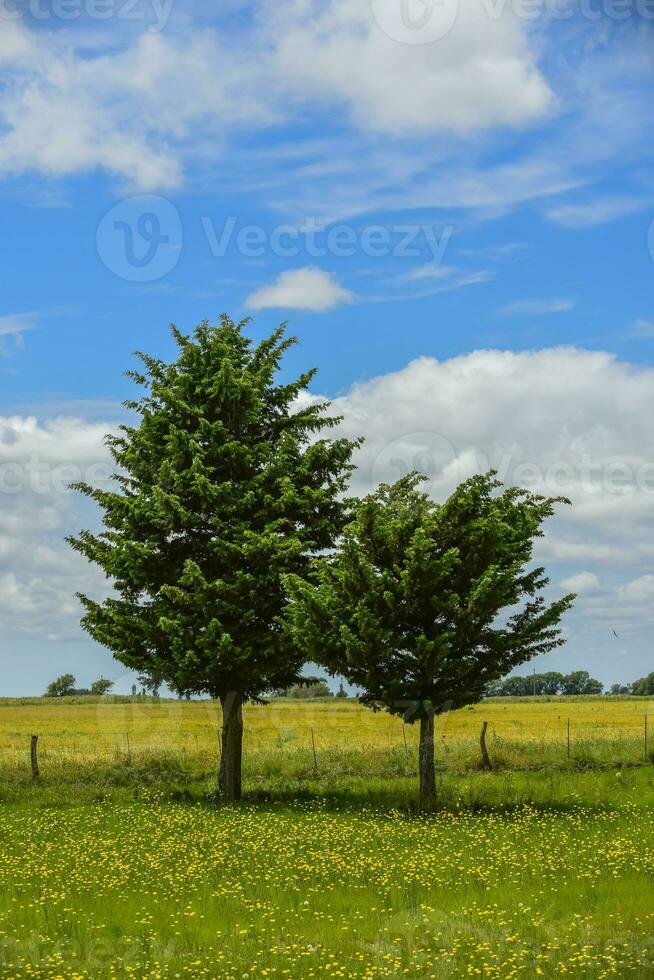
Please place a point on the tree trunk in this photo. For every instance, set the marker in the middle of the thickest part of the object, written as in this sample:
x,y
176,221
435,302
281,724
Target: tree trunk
x,y
229,780
426,760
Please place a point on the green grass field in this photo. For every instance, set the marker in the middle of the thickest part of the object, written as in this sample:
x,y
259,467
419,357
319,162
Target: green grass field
x,y
121,864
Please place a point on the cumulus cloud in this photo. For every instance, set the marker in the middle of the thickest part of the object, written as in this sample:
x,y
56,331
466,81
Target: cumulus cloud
x,y
301,289
140,108
639,590
39,573
480,72
582,584
558,421
127,110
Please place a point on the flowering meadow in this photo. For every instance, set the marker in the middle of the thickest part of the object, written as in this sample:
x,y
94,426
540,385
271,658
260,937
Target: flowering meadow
x,y
163,890
108,870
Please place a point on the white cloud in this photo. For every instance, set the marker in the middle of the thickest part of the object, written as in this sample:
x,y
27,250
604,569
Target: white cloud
x,y
642,328
639,590
537,307
128,110
560,421
597,212
12,324
481,73
39,573
140,109
301,289
582,584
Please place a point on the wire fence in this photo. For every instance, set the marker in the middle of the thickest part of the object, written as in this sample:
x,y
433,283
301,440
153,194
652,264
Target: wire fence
x,y
316,748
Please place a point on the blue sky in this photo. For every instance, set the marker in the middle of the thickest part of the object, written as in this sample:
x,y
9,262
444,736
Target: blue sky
x,y
453,211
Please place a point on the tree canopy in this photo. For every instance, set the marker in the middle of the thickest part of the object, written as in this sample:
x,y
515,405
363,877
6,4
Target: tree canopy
x,y
224,484
552,682
422,605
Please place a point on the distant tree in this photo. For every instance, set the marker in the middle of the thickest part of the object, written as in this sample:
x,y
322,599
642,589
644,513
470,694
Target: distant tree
x,y
621,689
549,683
518,686
580,682
226,483
61,687
152,681
643,686
341,693
311,687
101,686
408,606
134,690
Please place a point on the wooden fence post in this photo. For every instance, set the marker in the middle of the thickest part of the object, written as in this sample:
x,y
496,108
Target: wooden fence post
x,y
406,747
485,759
315,757
34,756
645,737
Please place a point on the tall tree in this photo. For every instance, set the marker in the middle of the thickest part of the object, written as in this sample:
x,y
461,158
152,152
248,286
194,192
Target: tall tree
x,y
61,687
224,485
580,682
412,605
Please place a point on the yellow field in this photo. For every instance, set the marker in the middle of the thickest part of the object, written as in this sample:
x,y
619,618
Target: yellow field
x,y
77,731
119,862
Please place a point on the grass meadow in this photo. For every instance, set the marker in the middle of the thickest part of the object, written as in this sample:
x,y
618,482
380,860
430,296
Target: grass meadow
x,y
120,863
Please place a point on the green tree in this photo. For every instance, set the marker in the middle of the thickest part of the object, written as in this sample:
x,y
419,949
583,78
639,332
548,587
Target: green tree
x,y
61,687
517,686
580,682
225,484
643,686
101,686
623,688
310,688
411,605
550,682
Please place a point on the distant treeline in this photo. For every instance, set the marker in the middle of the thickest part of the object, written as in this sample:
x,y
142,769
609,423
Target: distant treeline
x,y
309,689
552,683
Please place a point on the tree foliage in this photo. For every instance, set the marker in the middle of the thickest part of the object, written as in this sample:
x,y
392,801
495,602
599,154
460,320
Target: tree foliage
x,y
643,686
102,686
61,687
415,605
550,683
224,484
